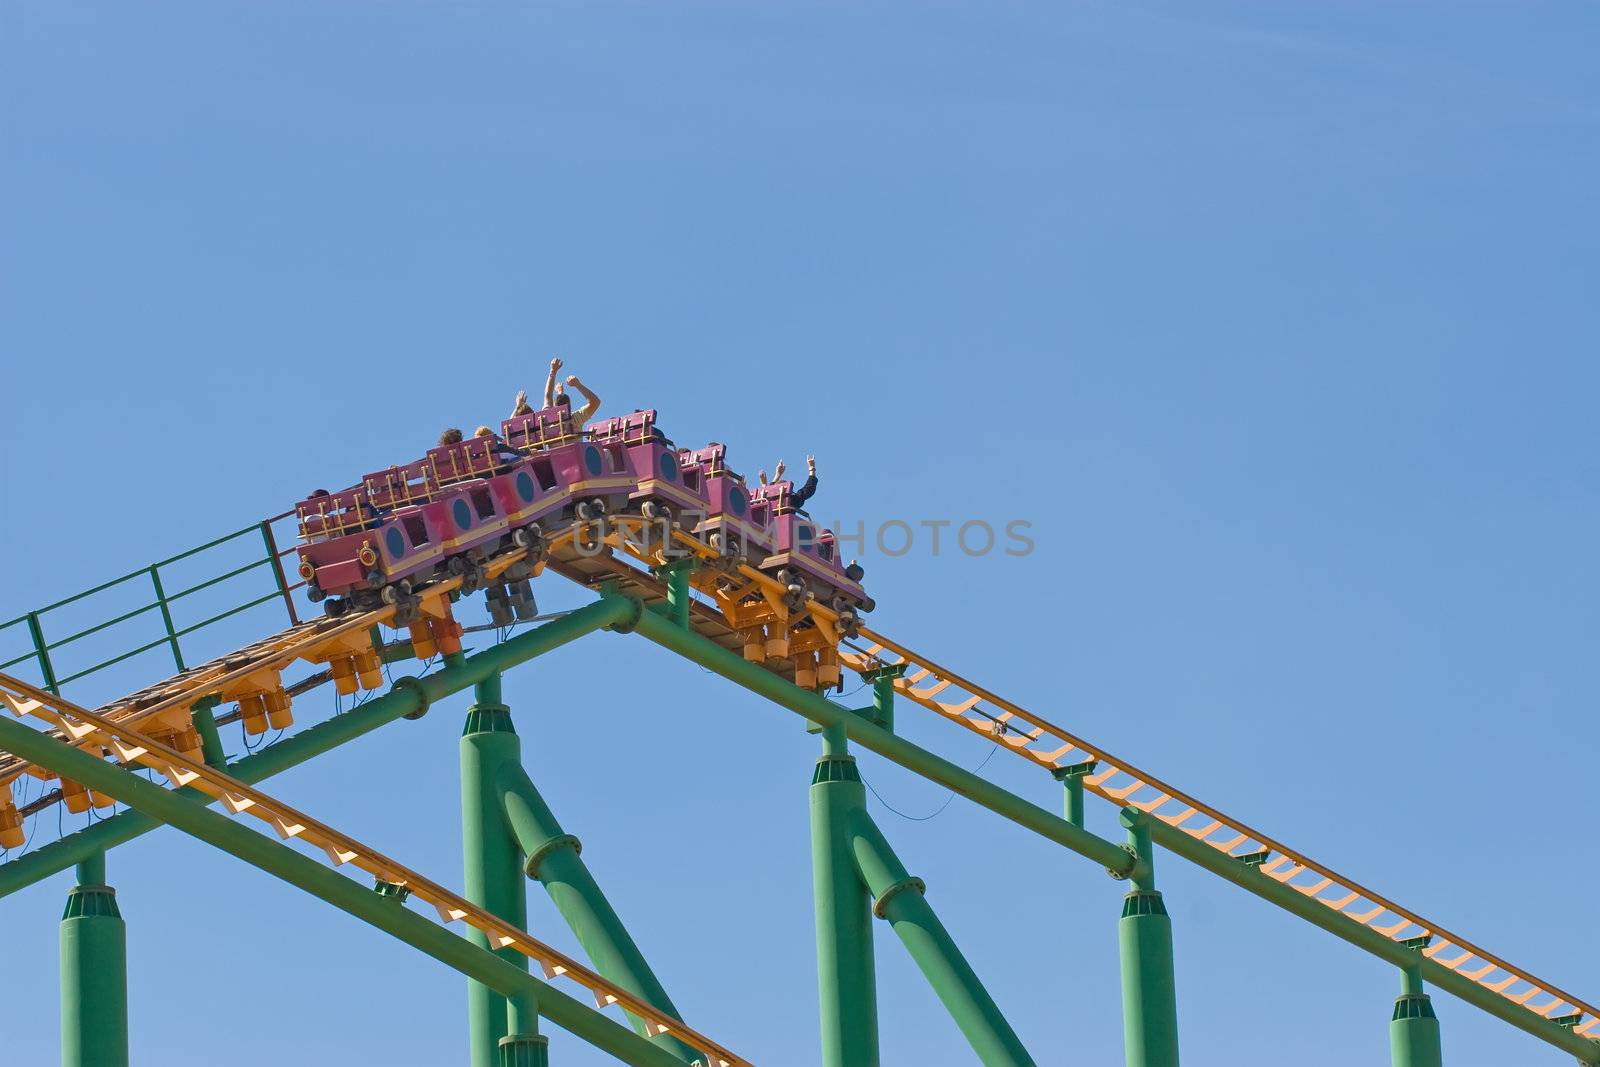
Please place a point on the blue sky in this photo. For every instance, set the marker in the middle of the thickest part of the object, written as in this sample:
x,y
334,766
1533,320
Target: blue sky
x,y
1277,322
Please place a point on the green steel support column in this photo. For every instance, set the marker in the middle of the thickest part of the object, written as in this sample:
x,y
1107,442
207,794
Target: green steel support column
x,y
94,972
493,868
1071,779
201,712
898,899
1144,939
846,981
523,1045
678,598
553,857
382,910
883,695
1413,1028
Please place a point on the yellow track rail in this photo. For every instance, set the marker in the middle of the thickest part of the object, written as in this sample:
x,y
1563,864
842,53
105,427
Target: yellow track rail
x,y
275,652
1041,742
129,746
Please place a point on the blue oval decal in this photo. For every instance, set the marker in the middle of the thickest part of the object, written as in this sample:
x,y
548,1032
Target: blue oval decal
x,y
525,487
462,514
669,466
393,540
591,459
736,501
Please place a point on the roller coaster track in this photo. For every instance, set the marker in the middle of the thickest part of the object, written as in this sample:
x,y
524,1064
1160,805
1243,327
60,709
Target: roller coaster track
x,y
178,692
1119,781
718,617
174,696
130,746
1112,778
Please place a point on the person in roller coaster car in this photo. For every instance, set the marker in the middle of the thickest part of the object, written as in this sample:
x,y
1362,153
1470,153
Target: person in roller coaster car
x,y
555,395
452,436
503,452
806,491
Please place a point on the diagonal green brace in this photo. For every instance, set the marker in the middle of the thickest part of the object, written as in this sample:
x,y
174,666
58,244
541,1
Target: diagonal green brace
x,y
386,912
857,875
553,858
899,900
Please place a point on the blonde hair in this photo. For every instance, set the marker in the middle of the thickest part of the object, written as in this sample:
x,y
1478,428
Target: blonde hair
x,y
483,431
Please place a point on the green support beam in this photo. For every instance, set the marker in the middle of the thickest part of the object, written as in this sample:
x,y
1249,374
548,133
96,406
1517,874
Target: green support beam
x,y
825,713
846,984
819,710
553,857
898,899
1413,1028
407,698
1144,944
385,912
94,972
492,865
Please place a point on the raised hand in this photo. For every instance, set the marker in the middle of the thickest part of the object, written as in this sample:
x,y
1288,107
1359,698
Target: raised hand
x,y
811,464
777,472
572,380
556,364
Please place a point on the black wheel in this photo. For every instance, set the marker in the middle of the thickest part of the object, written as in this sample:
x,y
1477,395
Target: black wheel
x,y
314,593
855,572
390,594
334,607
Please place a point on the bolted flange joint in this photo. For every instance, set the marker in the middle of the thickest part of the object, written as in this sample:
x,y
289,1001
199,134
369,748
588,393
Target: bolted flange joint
x,y
1122,876
414,684
881,905
543,851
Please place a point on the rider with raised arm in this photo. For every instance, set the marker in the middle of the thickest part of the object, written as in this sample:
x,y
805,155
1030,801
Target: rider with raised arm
x,y
805,492
555,396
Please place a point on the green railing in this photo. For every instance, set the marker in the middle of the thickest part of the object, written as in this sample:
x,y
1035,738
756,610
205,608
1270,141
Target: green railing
x,y
169,634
